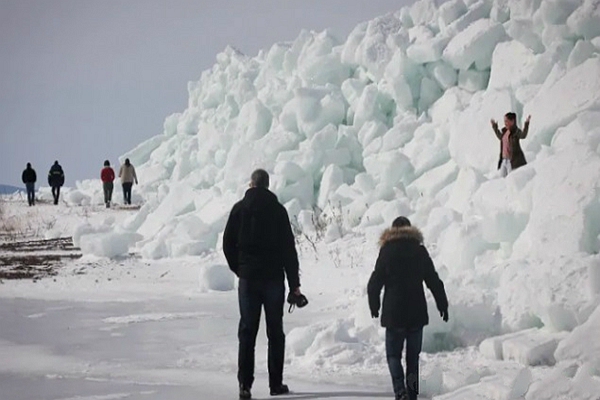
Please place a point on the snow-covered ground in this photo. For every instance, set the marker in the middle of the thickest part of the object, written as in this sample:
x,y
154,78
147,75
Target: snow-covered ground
x,y
141,329
173,348
154,329
393,120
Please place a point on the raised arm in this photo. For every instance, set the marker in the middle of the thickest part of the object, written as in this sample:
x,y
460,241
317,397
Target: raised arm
x,y
495,128
525,131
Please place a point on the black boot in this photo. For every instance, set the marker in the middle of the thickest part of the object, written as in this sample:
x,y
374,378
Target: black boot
x,y
245,392
280,390
412,394
402,395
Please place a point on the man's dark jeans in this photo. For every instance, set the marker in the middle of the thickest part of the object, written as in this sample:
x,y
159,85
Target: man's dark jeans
x,y
253,295
30,193
127,192
56,194
394,342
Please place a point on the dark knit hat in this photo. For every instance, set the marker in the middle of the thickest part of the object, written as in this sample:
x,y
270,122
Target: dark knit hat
x,y
401,222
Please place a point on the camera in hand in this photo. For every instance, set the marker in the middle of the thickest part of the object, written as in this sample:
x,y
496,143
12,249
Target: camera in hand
x,y
295,300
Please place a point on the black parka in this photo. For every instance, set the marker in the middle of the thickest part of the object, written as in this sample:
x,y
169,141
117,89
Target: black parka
x,y
402,267
258,241
29,175
56,176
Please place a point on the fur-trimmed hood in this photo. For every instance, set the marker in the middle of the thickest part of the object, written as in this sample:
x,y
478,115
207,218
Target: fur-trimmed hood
x,y
406,232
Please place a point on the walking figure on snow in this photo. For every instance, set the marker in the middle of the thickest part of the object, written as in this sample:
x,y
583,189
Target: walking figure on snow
x,y
260,249
29,177
56,178
402,267
511,154
128,177
107,176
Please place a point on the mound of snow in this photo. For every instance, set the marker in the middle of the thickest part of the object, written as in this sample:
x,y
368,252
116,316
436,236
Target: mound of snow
x,y
581,85
217,278
532,348
512,63
584,21
107,244
568,381
512,384
578,346
103,240
474,44
77,198
395,119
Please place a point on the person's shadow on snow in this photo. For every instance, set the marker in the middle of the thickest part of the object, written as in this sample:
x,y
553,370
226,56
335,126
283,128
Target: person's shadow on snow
x,y
334,395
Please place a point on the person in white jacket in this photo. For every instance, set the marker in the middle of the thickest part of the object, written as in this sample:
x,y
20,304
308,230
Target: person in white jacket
x,y
128,177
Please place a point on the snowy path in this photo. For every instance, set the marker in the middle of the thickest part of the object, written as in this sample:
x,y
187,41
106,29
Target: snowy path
x,y
161,349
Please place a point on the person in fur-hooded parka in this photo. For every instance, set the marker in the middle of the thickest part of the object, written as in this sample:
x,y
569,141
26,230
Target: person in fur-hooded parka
x,y
402,267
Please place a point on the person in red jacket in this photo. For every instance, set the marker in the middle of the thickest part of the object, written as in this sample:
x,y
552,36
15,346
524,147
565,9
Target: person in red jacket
x,y
108,176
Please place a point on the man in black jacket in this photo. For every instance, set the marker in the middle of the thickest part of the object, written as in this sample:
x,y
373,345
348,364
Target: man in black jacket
x,y
29,177
260,249
56,178
402,267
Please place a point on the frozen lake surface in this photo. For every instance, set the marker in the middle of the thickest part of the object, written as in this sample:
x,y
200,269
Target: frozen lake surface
x,y
167,349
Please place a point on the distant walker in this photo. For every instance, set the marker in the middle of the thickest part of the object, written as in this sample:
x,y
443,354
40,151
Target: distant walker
x,y
128,177
56,178
29,178
107,175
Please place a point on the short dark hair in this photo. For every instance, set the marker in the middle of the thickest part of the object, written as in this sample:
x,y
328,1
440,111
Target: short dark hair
x,y
260,179
511,116
106,163
401,222
127,161
28,165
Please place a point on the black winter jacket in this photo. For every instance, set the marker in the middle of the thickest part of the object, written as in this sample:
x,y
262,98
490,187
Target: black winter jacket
x,y
402,267
258,241
56,176
29,176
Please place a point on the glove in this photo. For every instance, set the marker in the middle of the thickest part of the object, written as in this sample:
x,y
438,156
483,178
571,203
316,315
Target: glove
x,y
374,314
444,315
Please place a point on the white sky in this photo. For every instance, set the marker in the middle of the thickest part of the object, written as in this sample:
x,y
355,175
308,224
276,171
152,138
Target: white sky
x,y
86,80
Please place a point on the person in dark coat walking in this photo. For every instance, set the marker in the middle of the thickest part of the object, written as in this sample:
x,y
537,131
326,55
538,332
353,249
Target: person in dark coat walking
x,y
260,249
511,154
402,267
107,175
56,178
29,177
